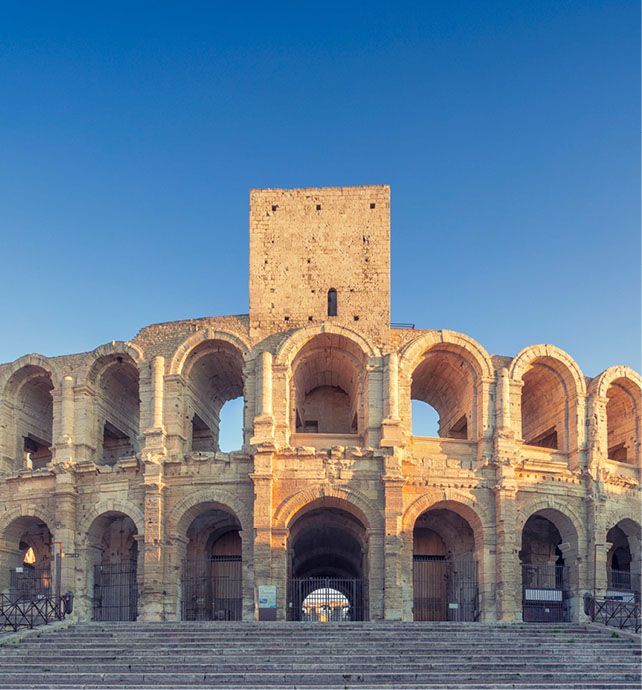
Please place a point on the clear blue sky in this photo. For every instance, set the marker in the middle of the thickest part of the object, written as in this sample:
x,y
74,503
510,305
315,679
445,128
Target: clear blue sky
x,y
131,133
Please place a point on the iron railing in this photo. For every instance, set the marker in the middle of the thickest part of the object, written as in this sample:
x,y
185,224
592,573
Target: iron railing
x,y
445,590
545,594
115,591
619,614
212,589
23,612
327,599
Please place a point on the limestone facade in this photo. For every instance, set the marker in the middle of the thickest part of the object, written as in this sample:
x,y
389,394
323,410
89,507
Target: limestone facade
x,y
112,456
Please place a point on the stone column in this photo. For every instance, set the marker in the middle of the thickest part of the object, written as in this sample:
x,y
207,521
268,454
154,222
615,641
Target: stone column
x,y
391,424
376,559
154,436
85,442
175,422
63,450
264,423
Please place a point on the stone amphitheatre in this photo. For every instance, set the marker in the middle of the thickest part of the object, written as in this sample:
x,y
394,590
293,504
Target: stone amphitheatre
x,y
113,484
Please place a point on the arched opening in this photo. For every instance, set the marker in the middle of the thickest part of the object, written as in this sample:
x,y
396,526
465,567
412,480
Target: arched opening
x,y
212,568
327,565
327,387
623,560
117,407
445,570
445,380
33,416
546,576
113,567
27,561
214,375
622,419
231,425
545,405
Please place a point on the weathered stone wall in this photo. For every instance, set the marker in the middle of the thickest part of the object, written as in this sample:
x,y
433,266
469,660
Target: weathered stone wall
x,y
390,494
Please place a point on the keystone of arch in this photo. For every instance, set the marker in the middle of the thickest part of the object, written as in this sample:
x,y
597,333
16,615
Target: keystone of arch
x,y
115,505
292,345
185,348
470,349
35,360
182,511
600,384
115,347
361,505
473,512
521,362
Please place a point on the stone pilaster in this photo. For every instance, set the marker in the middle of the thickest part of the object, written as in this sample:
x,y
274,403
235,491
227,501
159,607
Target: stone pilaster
x,y
153,446
264,423
65,498
262,479
393,543
151,547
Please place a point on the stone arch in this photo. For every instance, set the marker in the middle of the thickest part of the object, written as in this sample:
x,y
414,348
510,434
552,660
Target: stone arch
x,y
25,511
445,370
115,505
183,351
600,384
568,522
551,406
573,377
91,366
616,514
350,500
617,413
35,360
189,507
410,355
465,506
293,344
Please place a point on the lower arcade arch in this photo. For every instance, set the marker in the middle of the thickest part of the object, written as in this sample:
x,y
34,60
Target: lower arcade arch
x,y
113,568
623,560
445,566
211,581
327,564
548,562
27,562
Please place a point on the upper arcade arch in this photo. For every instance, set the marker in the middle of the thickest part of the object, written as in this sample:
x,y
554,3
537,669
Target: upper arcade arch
x,y
617,393
551,391
213,371
26,437
446,370
185,349
328,384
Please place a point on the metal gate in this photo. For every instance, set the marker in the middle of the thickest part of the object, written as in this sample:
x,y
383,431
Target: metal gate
x,y
115,591
326,599
445,590
545,594
30,582
212,589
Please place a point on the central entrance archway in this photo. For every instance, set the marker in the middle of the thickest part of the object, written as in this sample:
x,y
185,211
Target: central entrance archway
x,y
327,566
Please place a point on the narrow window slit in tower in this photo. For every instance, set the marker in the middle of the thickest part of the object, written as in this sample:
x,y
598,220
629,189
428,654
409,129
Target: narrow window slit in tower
x,y
332,302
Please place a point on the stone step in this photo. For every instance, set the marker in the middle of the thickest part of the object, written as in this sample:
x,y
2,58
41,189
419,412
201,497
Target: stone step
x,y
316,678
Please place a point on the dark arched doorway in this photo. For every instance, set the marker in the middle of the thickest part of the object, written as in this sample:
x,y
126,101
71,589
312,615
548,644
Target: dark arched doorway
x,y
113,564
327,550
212,569
546,576
445,578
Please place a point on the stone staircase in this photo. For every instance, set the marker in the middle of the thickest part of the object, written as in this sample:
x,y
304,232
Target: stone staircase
x,y
316,655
